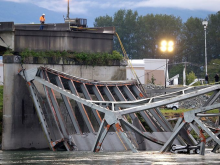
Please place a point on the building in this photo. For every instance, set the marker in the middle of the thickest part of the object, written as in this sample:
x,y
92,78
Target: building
x,y
148,70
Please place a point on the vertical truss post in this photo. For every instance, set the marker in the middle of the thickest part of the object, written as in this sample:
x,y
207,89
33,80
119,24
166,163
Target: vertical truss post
x,y
40,114
158,116
138,92
202,144
191,137
103,130
57,109
88,97
216,147
59,116
100,98
122,98
68,106
148,119
52,108
125,137
81,107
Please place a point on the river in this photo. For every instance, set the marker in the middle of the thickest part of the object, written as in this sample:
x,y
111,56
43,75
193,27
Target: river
x,y
49,157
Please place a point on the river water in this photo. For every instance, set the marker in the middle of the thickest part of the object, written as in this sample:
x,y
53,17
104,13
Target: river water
x,y
49,157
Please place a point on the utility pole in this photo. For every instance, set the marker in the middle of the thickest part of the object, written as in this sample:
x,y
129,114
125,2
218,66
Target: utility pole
x,y
68,9
205,24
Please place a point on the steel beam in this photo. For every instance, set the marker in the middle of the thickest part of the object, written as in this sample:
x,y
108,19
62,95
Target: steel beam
x,y
147,118
57,109
122,98
40,113
103,130
88,97
169,142
81,107
68,106
52,108
152,139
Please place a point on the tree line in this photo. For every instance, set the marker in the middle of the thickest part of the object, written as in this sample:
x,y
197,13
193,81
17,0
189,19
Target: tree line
x,y
142,35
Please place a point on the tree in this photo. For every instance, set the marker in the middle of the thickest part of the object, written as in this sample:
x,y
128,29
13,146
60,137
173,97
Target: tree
x,y
103,21
213,36
190,77
192,41
155,28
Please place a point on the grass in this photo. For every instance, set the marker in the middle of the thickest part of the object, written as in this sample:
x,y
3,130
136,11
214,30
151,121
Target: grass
x,y
169,113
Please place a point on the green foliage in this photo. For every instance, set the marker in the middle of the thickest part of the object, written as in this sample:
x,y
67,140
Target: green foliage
x,y
81,57
8,52
213,69
153,79
190,77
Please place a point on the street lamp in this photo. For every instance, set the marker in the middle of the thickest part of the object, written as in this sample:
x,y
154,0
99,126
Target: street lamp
x,y
166,46
205,24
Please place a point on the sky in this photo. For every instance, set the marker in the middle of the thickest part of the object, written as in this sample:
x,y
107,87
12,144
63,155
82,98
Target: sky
x,y
26,11
83,6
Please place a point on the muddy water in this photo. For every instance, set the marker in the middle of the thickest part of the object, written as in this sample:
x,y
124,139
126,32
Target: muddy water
x,y
49,157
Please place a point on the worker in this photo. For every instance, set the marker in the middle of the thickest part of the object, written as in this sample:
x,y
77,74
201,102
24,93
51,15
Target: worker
x,y
42,21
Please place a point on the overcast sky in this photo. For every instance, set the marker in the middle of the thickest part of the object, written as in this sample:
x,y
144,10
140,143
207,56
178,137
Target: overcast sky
x,y
83,6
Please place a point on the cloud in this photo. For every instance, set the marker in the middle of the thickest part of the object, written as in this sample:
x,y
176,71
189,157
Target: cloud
x,y
83,6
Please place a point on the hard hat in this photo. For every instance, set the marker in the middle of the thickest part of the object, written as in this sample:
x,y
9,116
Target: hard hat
x,y
43,14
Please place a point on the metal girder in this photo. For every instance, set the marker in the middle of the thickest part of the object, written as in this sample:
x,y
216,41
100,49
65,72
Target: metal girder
x,y
122,98
57,110
59,115
141,133
68,106
52,109
103,130
146,116
88,97
148,104
81,107
169,142
100,98
41,116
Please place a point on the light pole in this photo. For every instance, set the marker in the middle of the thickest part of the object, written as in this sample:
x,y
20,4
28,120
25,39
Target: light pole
x,y
205,24
166,46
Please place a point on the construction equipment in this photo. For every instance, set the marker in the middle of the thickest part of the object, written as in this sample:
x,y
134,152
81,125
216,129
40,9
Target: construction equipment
x,y
76,24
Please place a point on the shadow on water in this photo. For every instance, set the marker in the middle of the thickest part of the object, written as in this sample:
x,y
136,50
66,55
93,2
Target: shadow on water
x,y
49,157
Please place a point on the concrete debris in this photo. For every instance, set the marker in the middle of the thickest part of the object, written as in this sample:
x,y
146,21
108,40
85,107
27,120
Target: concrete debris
x,y
194,102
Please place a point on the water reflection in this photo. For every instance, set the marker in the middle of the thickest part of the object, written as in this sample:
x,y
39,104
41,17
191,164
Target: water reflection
x,y
49,157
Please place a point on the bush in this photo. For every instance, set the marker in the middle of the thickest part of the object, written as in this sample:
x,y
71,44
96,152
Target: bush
x,y
190,77
82,57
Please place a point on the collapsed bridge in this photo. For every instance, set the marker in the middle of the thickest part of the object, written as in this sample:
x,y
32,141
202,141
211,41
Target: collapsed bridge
x,y
111,116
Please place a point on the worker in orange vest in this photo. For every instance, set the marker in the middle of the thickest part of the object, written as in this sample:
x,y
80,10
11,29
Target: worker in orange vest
x,y
42,21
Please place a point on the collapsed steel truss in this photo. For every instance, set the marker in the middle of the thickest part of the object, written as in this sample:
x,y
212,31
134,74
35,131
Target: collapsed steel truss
x,y
125,101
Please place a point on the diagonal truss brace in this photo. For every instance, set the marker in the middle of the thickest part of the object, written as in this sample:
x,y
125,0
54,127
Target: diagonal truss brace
x,y
191,117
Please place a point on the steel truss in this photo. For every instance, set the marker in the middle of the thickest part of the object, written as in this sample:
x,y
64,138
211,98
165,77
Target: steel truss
x,y
125,100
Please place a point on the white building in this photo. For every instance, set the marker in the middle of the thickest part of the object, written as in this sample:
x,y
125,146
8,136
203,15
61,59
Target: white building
x,y
147,69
